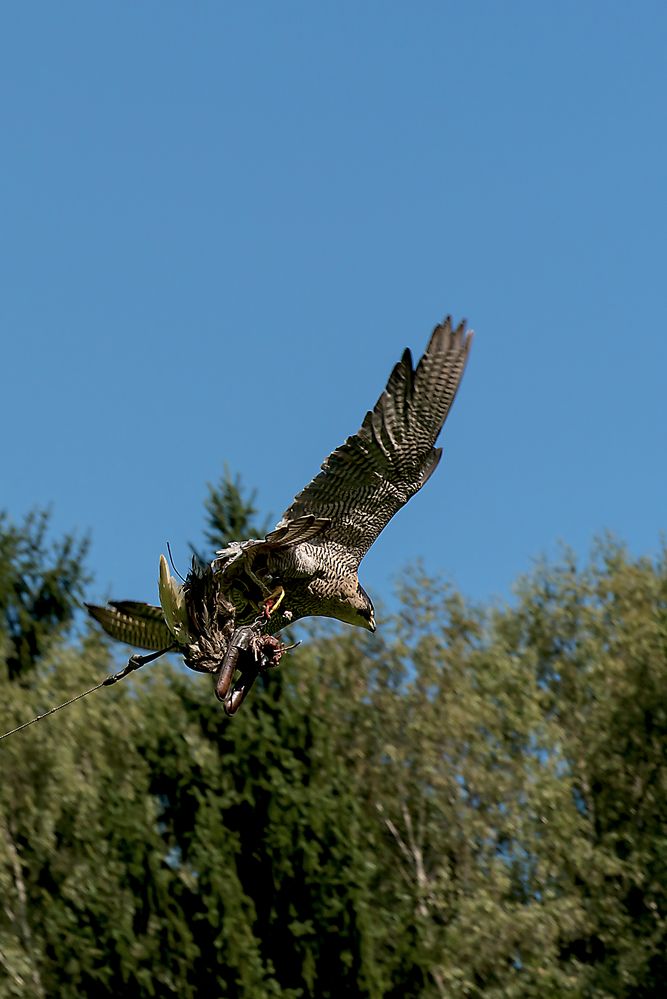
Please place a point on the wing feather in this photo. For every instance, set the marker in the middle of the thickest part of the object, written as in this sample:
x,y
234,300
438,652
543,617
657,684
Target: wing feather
x,y
366,480
137,624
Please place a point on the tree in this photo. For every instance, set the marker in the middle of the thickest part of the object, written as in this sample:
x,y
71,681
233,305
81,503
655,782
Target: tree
x,y
40,587
231,513
598,639
470,803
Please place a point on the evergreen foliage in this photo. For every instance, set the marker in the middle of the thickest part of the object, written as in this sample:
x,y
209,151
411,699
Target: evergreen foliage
x,y
40,585
471,803
231,512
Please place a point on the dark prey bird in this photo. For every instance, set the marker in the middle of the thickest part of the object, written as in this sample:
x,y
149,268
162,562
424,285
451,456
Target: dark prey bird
x,y
224,617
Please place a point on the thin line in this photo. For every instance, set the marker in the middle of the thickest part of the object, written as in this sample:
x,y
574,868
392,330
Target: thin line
x,y
51,711
171,559
134,662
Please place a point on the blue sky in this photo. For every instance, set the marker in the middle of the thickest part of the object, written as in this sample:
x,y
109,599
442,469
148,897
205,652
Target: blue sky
x,y
222,223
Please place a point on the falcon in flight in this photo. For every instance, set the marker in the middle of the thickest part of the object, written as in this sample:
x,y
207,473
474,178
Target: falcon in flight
x,y
225,616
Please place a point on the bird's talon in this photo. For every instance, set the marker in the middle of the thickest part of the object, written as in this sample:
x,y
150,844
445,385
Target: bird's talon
x,y
273,602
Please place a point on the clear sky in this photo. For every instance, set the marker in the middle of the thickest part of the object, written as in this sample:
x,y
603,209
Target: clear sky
x,y
222,223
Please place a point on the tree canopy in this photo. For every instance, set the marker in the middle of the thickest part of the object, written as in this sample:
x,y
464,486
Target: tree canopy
x,y
471,803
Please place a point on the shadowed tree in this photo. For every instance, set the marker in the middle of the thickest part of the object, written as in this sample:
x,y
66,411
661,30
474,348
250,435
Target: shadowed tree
x,y
41,583
470,803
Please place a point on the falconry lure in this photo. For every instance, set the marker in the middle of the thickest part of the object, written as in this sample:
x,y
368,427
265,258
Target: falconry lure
x,y
225,616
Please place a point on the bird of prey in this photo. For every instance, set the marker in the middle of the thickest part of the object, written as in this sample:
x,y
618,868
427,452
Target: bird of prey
x,y
225,616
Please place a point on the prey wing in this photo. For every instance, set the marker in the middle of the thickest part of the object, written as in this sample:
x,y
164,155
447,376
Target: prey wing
x,y
137,624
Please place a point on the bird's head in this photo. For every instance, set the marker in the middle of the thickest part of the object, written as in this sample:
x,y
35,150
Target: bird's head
x,y
365,610
354,606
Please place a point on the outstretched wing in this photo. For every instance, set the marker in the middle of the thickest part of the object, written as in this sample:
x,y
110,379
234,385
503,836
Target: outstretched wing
x,y
137,624
368,479
286,535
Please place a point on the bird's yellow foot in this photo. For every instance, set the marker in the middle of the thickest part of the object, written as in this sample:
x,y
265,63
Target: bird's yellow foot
x,y
271,604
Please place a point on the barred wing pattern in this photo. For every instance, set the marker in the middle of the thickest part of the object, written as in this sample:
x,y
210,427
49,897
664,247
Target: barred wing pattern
x,y
134,623
285,535
374,473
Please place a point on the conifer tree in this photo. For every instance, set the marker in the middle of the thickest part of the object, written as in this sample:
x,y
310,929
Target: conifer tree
x,y
41,583
231,512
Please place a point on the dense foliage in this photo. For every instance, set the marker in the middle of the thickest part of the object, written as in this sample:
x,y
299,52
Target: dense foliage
x,y
40,583
472,802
